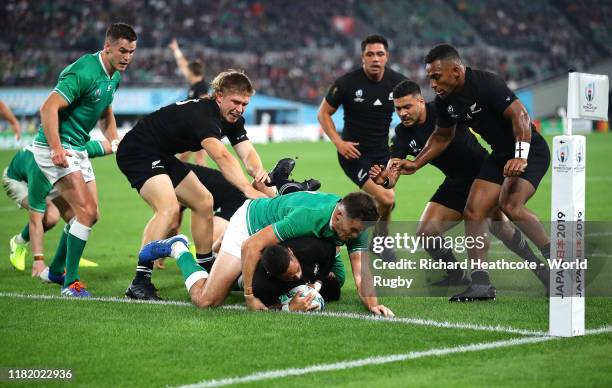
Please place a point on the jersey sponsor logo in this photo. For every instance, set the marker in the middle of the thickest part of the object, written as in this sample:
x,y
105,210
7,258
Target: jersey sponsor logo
x,y
377,102
156,164
358,95
362,174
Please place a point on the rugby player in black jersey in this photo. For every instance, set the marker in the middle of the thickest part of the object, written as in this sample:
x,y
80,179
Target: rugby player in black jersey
x,y
365,95
460,162
146,158
302,260
509,176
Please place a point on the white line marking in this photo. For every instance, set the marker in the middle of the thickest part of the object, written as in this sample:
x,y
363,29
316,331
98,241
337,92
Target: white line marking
x,y
281,373
9,209
363,317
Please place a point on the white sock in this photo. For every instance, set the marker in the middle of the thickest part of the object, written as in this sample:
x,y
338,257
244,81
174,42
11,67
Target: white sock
x,y
19,239
178,248
194,277
79,230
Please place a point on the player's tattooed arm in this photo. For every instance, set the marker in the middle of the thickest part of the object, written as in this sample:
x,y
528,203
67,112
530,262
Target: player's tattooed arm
x,y
521,128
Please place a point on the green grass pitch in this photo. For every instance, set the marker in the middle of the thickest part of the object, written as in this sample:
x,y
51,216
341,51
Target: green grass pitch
x,y
109,343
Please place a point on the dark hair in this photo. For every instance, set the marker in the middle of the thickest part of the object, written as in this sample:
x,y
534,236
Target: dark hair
x,y
275,260
370,39
406,88
118,31
360,206
196,68
232,80
442,51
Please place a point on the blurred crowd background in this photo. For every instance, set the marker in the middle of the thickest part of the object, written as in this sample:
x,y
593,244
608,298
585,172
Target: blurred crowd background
x,y
295,49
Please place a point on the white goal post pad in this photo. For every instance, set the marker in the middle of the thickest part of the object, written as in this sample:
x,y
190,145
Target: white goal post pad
x,y
567,291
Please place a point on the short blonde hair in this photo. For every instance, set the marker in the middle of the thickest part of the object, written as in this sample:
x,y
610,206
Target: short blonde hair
x,y
232,81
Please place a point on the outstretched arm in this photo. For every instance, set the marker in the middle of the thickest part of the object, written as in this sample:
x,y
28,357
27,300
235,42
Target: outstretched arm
x,y
365,284
251,254
229,166
180,59
436,144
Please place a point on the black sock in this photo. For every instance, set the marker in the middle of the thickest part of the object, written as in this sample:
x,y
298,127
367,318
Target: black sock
x,y
519,245
288,186
206,260
447,255
144,270
480,277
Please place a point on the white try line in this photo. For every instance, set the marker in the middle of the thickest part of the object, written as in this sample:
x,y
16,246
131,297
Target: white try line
x,y
363,317
378,360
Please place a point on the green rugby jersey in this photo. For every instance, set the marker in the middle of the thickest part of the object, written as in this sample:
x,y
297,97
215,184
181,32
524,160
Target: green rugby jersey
x,y
89,90
23,168
301,214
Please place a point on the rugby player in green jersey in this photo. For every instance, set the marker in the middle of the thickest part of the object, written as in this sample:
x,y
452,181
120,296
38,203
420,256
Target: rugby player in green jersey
x,y
268,221
83,95
27,186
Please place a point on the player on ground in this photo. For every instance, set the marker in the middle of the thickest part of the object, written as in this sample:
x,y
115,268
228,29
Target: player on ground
x,y
268,221
460,163
193,71
83,96
25,184
146,158
510,175
305,260
365,94
7,114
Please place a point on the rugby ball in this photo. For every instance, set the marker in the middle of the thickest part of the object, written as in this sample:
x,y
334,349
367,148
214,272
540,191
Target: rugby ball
x,y
318,301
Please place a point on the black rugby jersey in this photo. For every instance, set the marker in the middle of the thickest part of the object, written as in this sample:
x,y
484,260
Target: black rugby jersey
x,y
198,89
182,126
368,108
480,104
463,156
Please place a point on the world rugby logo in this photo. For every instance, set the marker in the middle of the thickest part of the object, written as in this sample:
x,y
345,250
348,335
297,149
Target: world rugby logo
x,y
562,153
589,91
580,153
